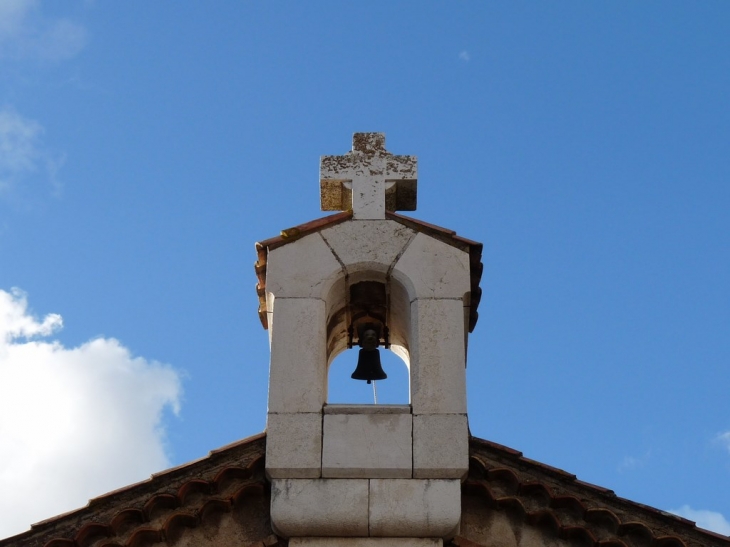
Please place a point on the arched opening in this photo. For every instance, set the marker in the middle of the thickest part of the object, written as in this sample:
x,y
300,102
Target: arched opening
x,y
360,298
394,390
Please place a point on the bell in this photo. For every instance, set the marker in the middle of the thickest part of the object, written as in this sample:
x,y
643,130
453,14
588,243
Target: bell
x,y
368,366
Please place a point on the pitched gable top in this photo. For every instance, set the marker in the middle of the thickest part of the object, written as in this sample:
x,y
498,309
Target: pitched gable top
x,y
473,248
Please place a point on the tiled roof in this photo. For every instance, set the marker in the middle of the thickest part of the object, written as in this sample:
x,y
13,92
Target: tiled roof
x,y
231,480
162,508
447,236
567,508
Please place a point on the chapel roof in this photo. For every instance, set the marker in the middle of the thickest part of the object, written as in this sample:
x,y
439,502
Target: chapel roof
x,y
473,248
565,507
160,509
227,493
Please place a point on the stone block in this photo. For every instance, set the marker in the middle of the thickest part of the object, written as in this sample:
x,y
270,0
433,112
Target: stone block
x,y
378,243
302,269
298,370
440,446
433,269
294,445
319,507
365,542
339,408
438,357
367,441
414,507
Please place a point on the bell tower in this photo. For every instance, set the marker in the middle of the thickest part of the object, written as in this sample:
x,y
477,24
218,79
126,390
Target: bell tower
x,y
368,277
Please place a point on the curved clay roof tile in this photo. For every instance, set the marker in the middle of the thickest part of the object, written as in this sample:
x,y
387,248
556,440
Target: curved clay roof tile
x,y
176,524
160,504
229,475
126,519
569,505
603,518
536,492
144,537
544,519
637,533
668,541
505,479
214,506
192,490
92,532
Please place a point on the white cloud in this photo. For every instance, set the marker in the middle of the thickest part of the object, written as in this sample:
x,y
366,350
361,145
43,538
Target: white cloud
x,y
19,140
724,438
12,14
22,153
630,463
74,422
709,520
26,33
464,56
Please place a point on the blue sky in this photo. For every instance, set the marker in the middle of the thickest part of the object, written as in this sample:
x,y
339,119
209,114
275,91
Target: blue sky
x,y
145,147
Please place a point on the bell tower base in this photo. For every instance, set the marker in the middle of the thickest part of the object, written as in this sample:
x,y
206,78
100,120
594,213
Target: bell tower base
x,y
360,508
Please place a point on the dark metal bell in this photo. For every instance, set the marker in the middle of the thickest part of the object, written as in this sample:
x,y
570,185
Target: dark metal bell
x,y
368,366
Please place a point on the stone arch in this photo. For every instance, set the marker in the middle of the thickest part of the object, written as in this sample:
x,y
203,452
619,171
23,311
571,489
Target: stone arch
x,y
390,303
426,282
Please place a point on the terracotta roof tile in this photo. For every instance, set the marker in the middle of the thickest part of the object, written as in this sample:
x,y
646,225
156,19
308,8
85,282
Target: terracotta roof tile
x,y
161,507
511,482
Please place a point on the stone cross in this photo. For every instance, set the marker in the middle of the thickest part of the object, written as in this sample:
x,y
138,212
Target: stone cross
x,y
368,180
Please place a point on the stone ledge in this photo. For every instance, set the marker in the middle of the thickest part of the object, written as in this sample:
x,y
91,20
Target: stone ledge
x,y
367,409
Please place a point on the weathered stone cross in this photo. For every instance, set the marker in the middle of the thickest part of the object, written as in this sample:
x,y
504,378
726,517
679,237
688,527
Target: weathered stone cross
x,y
368,180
